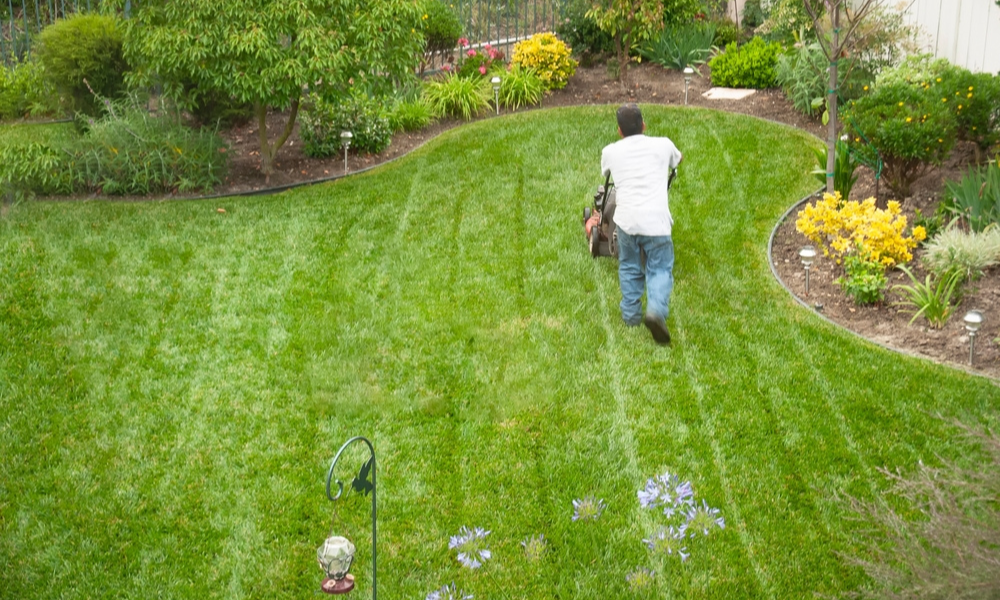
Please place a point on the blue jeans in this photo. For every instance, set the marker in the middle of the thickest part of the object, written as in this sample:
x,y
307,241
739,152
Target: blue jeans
x,y
657,278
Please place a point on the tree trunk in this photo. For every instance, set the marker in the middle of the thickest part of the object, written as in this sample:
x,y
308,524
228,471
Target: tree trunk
x,y
269,151
831,102
621,52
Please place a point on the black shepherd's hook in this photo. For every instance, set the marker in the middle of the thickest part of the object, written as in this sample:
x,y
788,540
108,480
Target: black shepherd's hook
x,y
363,485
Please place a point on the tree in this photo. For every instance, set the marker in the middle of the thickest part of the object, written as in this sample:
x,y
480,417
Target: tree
x,y
266,52
628,22
835,33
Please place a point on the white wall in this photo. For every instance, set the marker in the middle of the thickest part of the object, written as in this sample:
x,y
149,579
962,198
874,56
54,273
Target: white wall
x,y
966,32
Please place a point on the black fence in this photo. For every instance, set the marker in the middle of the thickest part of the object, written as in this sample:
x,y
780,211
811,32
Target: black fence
x,y
504,23
500,23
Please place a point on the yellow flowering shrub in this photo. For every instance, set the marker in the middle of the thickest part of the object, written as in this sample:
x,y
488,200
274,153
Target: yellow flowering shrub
x,y
874,234
548,56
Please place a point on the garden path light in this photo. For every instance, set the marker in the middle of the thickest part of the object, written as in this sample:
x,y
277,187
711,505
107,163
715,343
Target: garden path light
x,y
973,321
688,73
807,254
345,141
496,92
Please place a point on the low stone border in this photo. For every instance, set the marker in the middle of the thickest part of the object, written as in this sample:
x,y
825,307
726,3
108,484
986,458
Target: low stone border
x,y
903,351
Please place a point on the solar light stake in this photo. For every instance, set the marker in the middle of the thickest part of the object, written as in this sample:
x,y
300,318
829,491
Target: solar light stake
x,y
973,321
807,255
496,92
345,141
688,72
336,553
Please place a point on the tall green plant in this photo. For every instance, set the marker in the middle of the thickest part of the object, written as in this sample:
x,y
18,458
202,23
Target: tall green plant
x,y
519,87
930,299
976,197
680,46
460,97
802,74
843,172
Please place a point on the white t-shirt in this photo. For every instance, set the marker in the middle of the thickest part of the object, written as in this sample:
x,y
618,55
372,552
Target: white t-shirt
x,y
640,166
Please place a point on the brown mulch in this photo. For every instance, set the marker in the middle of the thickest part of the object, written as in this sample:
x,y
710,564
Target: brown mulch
x,y
885,323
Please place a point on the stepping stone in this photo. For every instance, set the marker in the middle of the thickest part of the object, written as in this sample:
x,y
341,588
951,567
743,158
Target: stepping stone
x,y
719,93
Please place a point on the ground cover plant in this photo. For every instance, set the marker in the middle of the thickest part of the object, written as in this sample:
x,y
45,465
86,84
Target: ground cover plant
x,y
174,381
125,152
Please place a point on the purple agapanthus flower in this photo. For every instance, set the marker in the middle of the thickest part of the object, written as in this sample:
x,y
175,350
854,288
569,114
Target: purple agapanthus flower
x,y
703,518
669,540
588,508
448,592
666,491
472,550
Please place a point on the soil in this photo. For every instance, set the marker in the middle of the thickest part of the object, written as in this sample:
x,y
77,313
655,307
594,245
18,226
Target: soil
x,y
885,324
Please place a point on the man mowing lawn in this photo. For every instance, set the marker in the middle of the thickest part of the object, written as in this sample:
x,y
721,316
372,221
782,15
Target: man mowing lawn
x,y
640,166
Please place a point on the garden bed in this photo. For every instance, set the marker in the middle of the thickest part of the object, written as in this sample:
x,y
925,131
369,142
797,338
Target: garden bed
x,y
887,323
650,84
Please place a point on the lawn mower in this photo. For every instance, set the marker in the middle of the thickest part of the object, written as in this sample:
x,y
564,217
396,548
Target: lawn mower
x,y
599,221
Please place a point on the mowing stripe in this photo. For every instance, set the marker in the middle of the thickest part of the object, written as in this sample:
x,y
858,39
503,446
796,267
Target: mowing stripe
x,y
621,431
763,580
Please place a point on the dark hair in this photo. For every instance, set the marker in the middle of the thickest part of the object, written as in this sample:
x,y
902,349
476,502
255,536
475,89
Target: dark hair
x,y
629,119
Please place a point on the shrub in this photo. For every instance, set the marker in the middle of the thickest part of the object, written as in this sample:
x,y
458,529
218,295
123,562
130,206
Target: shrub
x,y
930,299
324,120
520,87
801,71
974,99
749,66
976,197
24,90
476,62
785,21
83,47
845,164
969,253
680,46
125,152
726,32
548,56
410,115
583,35
440,28
907,129
919,70
874,234
753,14
458,96
864,280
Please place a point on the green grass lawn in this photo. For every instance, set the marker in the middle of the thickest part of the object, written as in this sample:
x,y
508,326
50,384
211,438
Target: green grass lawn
x,y
22,133
174,381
